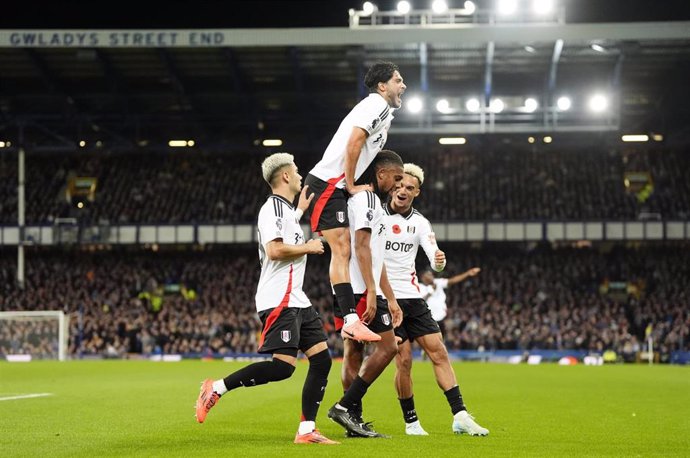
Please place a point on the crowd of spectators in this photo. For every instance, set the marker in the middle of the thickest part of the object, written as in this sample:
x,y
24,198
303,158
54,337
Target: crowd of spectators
x,y
461,185
526,297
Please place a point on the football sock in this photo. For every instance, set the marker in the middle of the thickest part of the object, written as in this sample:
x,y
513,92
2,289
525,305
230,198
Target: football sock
x,y
455,399
408,410
219,387
345,298
305,427
357,408
259,374
315,384
355,393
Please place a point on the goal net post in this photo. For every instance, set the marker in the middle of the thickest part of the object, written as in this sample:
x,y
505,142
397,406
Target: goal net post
x,y
34,335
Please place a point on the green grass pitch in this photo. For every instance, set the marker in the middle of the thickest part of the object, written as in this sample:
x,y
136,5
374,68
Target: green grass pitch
x,y
142,408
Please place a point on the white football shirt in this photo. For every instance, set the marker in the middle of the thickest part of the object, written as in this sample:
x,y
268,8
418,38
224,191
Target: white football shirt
x,y
437,299
404,235
280,282
365,212
372,114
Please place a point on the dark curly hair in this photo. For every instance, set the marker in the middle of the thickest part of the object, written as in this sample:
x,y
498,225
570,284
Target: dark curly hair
x,y
380,72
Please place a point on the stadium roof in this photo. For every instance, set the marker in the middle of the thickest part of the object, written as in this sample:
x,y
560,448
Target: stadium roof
x,y
229,88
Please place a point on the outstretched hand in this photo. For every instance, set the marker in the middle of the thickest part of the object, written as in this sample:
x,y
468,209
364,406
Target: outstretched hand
x,y
473,271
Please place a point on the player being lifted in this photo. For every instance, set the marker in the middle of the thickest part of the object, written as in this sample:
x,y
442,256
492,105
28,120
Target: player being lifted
x,y
290,321
360,136
406,231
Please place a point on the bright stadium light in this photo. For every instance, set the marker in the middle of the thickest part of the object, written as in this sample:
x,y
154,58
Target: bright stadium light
x,y
403,7
598,48
443,106
635,138
469,7
472,105
497,105
272,142
531,105
564,103
507,6
414,105
598,103
452,140
542,7
439,6
368,9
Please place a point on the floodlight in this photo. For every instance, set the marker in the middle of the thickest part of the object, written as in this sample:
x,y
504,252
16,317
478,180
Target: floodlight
x,y
439,6
368,9
531,104
564,103
507,6
469,7
542,6
403,7
443,106
497,105
472,105
414,105
598,103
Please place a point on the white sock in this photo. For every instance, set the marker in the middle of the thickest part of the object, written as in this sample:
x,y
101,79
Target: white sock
x,y
305,427
219,387
351,318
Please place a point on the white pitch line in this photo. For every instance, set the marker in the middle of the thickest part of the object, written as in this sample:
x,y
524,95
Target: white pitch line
x,y
25,396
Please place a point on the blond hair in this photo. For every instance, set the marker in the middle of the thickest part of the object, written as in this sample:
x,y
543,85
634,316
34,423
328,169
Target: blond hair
x,y
416,171
273,163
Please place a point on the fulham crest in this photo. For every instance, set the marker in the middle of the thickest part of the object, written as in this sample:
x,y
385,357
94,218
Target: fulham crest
x,y
285,336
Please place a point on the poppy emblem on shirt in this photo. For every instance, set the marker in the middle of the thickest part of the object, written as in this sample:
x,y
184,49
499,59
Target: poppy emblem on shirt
x,y
396,229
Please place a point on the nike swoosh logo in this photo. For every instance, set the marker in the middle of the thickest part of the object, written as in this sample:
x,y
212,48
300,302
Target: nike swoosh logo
x,y
348,333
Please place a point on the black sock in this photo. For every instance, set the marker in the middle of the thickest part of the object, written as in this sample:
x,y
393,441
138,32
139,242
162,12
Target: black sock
x,y
315,384
259,374
356,408
408,410
455,400
355,393
345,298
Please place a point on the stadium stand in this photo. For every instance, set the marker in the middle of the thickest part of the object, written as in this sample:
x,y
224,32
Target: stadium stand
x,y
536,296
463,185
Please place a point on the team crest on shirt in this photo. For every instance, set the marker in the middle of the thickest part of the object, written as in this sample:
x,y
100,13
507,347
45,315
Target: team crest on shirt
x,y
375,123
386,318
396,229
370,214
340,216
285,336
411,229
